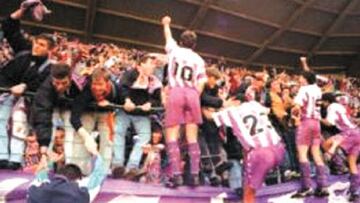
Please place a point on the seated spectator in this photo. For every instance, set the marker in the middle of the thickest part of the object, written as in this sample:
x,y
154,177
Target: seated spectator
x,y
58,147
152,163
32,153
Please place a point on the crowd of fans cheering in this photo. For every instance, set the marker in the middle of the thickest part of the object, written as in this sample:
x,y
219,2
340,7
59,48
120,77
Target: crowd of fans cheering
x,y
221,154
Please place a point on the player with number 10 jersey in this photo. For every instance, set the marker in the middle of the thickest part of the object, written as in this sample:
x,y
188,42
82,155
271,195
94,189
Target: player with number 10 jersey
x,y
186,80
186,68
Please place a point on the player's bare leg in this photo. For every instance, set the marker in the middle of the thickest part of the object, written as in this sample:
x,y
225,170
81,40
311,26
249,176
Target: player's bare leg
x,y
173,151
331,144
194,152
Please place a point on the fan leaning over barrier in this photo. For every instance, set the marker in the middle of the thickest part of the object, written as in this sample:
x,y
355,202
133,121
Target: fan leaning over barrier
x,y
26,71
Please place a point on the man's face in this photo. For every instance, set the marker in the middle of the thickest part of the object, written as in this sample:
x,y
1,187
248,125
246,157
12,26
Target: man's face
x,y
40,47
156,137
211,81
99,88
61,85
275,87
59,137
148,66
302,80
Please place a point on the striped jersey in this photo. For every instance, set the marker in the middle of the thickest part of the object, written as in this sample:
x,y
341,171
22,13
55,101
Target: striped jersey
x,y
185,68
337,115
250,124
307,99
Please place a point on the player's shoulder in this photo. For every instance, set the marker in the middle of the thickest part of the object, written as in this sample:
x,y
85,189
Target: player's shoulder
x,y
250,106
336,107
197,57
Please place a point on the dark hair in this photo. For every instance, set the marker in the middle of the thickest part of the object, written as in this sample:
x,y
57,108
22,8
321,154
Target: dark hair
x,y
188,39
49,38
329,97
144,57
60,128
71,171
310,77
60,71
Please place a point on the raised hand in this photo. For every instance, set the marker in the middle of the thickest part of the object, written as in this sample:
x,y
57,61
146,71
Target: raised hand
x,y
166,20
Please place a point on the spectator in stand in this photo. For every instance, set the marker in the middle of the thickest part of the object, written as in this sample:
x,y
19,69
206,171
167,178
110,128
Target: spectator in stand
x,y
6,53
209,136
153,151
58,147
278,107
141,91
53,98
32,153
90,112
26,71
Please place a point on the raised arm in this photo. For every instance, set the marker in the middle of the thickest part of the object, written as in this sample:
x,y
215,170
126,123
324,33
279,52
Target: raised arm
x,y
11,28
304,64
166,20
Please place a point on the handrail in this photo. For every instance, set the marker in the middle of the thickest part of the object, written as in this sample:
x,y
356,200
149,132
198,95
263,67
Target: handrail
x,y
111,105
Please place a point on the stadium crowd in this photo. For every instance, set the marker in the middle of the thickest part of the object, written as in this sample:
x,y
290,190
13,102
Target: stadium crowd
x,y
64,100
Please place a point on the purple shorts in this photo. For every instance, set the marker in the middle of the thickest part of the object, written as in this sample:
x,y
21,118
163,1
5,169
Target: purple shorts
x,y
350,141
258,162
182,107
309,132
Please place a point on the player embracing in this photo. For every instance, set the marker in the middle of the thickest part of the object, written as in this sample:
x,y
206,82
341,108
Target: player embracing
x,y
186,79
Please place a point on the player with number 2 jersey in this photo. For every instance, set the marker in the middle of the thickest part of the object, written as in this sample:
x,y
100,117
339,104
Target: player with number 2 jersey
x,y
263,147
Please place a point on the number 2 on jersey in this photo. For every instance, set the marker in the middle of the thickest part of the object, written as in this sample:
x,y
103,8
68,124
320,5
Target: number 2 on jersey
x,y
253,120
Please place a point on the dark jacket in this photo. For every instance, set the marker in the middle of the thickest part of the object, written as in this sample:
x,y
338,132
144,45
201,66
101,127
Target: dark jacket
x,y
140,96
85,101
209,97
44,102
59,190
24,68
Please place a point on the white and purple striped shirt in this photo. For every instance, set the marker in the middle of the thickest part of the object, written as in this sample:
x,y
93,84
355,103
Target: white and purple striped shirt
x,y
186,68
337,115
307,99
250,123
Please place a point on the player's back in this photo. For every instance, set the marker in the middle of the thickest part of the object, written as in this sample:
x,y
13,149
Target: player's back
x,y
250,123
337,115
307,98
186,68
